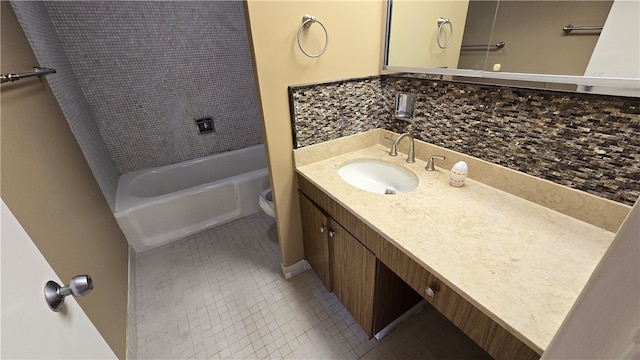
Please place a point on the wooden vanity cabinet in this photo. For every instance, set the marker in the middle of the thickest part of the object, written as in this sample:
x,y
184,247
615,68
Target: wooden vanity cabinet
x,y
369,290
316,240
353,269
398,278
493,338
342,263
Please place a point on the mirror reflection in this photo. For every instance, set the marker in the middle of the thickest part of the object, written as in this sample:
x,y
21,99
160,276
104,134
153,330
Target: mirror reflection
x,y
417,39
574,38
536,41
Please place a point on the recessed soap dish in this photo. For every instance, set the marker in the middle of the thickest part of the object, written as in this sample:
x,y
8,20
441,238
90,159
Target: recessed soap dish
x,y
205,125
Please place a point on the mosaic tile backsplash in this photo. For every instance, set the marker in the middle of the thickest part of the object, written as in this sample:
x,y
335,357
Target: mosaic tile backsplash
x,y
587,142
148,69
347,108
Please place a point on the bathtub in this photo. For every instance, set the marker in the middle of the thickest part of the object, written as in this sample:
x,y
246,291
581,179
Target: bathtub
x,y
157,206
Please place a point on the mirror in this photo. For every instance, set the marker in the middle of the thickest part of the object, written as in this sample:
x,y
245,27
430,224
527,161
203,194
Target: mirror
x,y
588,46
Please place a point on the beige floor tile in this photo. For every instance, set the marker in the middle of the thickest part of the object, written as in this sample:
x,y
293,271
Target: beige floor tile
x,y
220,294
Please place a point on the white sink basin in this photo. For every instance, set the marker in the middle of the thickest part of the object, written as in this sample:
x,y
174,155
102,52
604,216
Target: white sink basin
x,y
378,176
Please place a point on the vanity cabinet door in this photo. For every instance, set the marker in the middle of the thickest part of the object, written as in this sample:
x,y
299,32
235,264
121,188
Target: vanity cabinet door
x,y
316,240
345,266
354,275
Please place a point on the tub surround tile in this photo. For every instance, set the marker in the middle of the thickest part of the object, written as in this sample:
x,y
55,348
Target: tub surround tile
x,y
488,245
143,96
583,141
47,47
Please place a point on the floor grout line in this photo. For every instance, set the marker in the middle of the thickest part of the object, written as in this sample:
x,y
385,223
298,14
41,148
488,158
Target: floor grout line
x,y
220,294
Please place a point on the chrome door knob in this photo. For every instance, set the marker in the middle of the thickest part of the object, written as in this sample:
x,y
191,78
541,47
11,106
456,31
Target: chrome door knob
x,y
322,229
331,233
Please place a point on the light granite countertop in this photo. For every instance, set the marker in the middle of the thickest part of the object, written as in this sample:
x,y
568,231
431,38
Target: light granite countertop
x,y
520,263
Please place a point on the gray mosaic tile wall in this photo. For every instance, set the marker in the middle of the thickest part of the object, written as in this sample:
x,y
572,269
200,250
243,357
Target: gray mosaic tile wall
x,y
587,142
46,45
149,69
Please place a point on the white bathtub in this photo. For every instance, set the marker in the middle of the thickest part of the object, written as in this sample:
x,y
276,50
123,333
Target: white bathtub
x,y
157,206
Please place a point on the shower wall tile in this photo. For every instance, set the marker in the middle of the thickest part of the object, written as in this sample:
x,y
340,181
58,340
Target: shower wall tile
x,y
583,141
149,69
40,32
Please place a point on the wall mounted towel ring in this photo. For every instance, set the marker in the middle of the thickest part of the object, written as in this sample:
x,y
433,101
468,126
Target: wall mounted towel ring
x,y
441,23
307,20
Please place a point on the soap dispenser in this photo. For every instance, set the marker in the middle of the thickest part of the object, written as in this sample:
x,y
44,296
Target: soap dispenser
x,y
458,174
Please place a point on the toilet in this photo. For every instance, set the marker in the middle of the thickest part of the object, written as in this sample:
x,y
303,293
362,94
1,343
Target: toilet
x,y
265,200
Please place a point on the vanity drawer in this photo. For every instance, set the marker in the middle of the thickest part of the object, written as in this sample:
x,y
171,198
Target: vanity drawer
x,y
492,337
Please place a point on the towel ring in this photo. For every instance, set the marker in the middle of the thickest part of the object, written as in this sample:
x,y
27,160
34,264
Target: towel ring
x,y
441,22
307,20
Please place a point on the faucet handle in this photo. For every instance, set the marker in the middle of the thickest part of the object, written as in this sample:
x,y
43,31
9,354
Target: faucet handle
x,y
430,166
393,151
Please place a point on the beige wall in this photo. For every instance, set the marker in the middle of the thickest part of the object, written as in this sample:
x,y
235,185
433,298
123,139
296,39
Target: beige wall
x,y
414,27
535,42
355,42
47,184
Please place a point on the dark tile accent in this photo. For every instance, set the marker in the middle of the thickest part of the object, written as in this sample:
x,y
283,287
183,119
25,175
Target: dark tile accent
x,y
326,112
583,141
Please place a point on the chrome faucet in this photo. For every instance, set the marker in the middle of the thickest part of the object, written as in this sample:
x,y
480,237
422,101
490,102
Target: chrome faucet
x,y
430,166
411,156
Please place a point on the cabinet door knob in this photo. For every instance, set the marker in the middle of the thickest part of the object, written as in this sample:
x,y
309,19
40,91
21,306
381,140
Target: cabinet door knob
x,y
322,229
429,291
331,233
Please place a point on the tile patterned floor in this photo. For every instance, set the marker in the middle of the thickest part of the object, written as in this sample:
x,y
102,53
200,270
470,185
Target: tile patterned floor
x,y
220,294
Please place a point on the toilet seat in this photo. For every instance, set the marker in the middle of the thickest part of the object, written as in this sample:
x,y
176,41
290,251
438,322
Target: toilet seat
x,y
265,200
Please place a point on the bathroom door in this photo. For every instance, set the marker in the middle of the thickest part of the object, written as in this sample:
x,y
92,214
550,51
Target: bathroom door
x,y
29,329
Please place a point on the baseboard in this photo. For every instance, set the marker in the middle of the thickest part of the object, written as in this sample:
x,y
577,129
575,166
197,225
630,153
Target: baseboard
x,y
132,338
404,317
295,269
